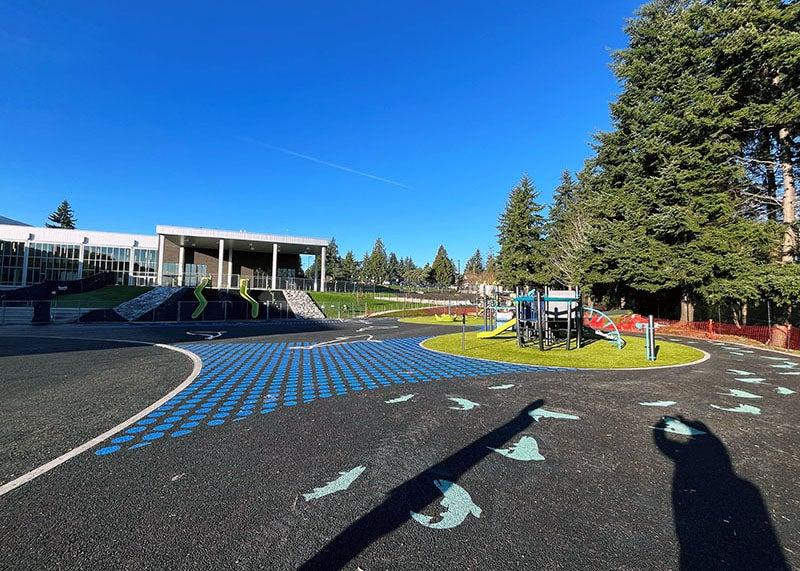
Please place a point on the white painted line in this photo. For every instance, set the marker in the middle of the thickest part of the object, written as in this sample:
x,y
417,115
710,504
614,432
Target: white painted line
x,y
25,478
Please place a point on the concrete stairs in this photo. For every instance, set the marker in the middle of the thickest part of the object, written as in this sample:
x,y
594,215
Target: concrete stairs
x,y
302,305
148,301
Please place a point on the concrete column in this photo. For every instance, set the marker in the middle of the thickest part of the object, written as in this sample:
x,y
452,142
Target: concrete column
x,y
220,259
181,263
316,272
130,264
274,266
322,273
25,255
160,277
230,266
80,260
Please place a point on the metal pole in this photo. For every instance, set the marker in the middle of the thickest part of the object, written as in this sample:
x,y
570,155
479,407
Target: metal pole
x,y
463,332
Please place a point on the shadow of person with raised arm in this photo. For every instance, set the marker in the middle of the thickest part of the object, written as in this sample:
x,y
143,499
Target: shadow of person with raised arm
x,y
414,495
721,520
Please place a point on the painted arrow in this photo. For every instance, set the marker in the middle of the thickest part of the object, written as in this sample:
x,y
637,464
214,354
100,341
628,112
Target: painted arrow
x,y
208,335
540,413
464,404
338,341
402,398
458,505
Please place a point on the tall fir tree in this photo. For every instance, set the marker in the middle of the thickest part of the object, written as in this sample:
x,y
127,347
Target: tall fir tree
x,y
350,270
62,217
521,234
333,261
376,265
443,269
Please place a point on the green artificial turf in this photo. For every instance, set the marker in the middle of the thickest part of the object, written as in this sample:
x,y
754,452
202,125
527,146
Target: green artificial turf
x,y
335,304
430,320
595,355
103,298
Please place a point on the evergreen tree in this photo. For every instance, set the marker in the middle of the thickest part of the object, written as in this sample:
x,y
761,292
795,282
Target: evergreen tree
x,y
395,269
475,264
443,270
521,234
333,262
376,265
63,217
349,269
567,241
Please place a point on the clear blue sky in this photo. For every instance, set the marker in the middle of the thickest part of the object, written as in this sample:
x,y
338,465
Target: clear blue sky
x,y
144,113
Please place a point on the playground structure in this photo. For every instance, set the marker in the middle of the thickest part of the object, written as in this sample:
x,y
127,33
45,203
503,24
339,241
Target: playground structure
x,y
549,318
202,302
244,283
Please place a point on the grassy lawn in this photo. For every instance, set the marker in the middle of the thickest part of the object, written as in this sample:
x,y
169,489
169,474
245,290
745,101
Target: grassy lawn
x,y
430,320
332,302
105,297
598,354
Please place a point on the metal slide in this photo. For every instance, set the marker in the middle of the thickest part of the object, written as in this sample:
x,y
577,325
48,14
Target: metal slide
x,y
495,332
243,283
198,293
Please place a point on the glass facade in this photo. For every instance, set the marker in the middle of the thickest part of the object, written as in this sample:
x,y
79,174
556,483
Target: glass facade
x,y
53,262
97,259
12,255
145,267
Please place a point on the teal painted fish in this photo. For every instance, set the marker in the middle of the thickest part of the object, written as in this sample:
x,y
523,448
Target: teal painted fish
x,y
403,398
458,504
659,403
526,450
741,394
675,426
751,380
745,408
464,404
784,391
740,372
500,387
542,413
341,483
785,366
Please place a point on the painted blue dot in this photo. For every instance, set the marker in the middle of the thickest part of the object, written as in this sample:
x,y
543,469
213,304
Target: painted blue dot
x,y
121,439
197,417
135,429
107,450
172,419
215,422
179,433
162,427
140,445
153,436
189,424
220,415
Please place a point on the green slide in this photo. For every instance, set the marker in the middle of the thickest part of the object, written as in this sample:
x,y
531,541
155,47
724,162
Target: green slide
x,y
198,293
243,283
495,332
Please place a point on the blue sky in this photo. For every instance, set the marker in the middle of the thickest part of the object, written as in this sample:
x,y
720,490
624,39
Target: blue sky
x,y
196,113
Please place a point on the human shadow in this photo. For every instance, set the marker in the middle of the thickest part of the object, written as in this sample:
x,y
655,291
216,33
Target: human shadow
x,y
721,520
414,495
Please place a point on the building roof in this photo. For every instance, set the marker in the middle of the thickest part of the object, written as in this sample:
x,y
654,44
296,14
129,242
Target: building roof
x,y
208,237
11,221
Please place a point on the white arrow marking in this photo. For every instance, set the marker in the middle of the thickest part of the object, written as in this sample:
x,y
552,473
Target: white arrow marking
x,y
338,341
207,334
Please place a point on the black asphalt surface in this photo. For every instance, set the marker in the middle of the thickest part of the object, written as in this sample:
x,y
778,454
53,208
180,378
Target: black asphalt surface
x,y
611,493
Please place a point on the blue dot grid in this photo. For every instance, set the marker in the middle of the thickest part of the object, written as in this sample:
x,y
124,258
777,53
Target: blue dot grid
x,y
242,379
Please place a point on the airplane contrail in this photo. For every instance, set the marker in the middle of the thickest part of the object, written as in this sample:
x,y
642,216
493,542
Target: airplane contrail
x,y
321,162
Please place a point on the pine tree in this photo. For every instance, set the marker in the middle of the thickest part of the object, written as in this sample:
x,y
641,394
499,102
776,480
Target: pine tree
x,y
475,263
350,269
333,262
394,269
376,265
567,234
443,269
63,217
521,233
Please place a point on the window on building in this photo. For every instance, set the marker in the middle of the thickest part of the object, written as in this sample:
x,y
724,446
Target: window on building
x,y
12,255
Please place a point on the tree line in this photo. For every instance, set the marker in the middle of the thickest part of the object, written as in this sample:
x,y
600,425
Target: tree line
x,y
690,198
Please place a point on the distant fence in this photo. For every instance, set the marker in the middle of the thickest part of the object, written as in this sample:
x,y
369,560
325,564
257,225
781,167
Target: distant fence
x,y
786,337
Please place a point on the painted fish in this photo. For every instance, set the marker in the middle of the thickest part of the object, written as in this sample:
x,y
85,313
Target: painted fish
x,y
341,483
740,394
740,372
402,398
659,403
458,504
745,408
500,387
542,413
784,391
675,426
464,404
752,380
526,450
